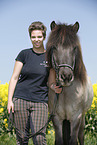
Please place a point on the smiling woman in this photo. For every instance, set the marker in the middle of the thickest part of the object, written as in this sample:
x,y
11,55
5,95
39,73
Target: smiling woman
x,y
37,41
29,90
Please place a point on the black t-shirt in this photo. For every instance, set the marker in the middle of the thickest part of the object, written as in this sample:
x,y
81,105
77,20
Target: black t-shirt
x,y
32,83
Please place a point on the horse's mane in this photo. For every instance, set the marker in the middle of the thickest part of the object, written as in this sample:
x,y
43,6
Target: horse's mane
x,y
64,35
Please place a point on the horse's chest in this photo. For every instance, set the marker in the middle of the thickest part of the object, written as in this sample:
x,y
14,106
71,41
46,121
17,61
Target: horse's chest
x,y
70,104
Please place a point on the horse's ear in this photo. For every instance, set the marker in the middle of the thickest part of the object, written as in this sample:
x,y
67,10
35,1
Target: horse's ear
x,y
52,25
76,27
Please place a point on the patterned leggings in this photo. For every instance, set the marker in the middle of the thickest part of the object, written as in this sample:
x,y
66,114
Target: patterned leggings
x,y
30,116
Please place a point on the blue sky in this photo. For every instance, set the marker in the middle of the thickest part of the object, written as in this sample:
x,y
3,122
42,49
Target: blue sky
x,y
17,15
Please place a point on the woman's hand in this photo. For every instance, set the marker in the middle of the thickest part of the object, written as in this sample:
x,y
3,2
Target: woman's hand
x,y
10,106
52,82
58,89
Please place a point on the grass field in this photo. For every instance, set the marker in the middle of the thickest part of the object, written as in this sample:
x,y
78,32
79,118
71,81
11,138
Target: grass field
x,y
8,139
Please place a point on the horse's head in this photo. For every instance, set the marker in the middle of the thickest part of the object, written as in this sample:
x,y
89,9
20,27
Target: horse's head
x,y
63,51
63,61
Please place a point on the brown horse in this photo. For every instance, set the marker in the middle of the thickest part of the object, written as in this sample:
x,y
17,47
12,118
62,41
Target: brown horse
x,y
65,56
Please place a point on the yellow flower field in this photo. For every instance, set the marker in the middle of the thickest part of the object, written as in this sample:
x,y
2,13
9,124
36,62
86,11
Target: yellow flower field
x,y
91,115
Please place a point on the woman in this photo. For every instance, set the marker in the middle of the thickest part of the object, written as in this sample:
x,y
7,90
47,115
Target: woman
x,y
28,91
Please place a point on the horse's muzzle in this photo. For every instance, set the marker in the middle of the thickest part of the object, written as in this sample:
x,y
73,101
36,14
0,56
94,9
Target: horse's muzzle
x,y
66,78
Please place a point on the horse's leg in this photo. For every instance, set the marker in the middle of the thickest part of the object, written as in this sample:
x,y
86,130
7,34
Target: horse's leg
x,y
66,132
58,130
81,131
75,125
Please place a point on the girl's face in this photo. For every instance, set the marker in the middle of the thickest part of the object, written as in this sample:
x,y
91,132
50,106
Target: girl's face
x,y
37,39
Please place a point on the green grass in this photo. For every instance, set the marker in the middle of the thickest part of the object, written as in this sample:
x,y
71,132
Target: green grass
x,y
8,139
90,140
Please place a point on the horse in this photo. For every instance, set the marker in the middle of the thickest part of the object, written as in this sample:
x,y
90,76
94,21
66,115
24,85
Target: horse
x,y
64,55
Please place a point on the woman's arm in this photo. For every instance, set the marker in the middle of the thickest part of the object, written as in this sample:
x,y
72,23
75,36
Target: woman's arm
x,y
52,81
12,84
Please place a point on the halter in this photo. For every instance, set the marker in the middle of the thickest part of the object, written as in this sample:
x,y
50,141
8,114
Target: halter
x,y
57,68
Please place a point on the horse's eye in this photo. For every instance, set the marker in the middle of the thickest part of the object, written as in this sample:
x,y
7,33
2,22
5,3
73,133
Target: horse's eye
x,y
75,49
54,48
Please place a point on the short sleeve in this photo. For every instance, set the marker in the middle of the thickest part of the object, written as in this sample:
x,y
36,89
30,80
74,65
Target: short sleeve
x,y
21,57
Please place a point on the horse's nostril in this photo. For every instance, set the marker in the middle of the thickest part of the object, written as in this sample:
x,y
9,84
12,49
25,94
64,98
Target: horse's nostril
x,y
63,76
67,78
70,77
